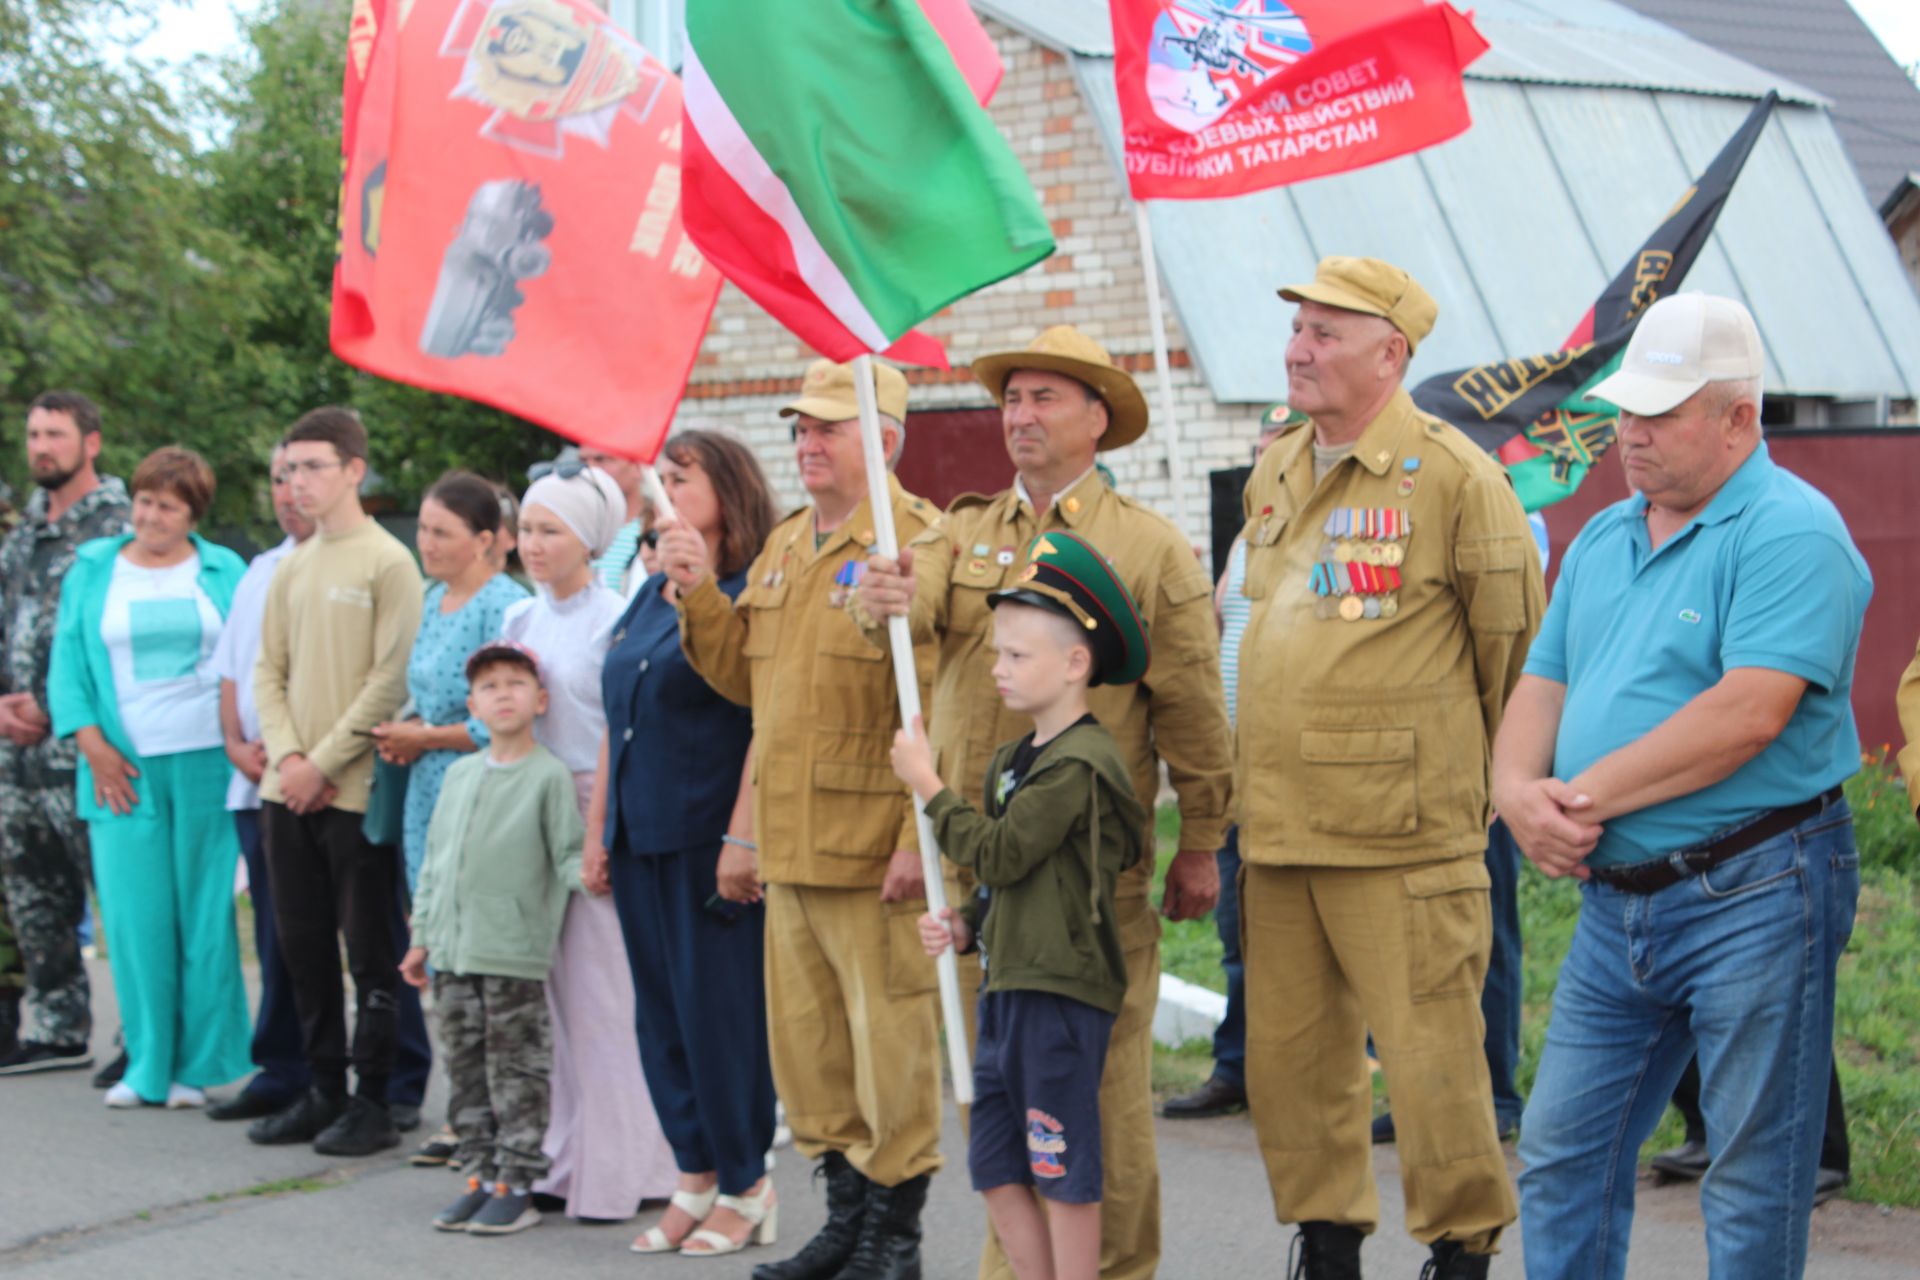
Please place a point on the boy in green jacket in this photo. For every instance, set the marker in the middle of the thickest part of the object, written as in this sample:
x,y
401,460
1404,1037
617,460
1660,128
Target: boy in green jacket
x,y
1060,823
503,853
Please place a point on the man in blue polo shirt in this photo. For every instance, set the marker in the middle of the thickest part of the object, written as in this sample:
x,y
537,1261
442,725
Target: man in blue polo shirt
x,y
1678,743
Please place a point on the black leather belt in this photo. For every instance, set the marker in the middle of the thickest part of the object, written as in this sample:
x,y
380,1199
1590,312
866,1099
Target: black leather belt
x,y
1662,873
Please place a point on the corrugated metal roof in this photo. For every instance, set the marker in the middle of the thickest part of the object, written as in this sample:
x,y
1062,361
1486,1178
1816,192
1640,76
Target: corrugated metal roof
x,y
1516,225
1824,44
1071,26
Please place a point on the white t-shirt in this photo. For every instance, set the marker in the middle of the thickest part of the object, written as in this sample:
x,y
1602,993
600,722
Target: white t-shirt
x,y
160,629
234,656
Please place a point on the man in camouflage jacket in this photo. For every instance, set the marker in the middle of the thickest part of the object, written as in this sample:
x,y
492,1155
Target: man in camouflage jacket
x,y
43,844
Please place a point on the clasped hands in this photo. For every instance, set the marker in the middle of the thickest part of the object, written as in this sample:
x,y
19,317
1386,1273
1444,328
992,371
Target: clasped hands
x,y
1547,819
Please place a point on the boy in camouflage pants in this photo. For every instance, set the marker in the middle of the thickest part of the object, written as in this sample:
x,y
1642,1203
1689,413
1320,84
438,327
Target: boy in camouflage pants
x,y
503,853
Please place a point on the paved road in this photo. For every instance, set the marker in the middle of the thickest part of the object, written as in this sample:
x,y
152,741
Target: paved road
x,y
157,1195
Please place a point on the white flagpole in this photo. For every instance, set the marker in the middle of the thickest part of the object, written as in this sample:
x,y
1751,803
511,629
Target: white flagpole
x,y
906,683
1165,425
657,494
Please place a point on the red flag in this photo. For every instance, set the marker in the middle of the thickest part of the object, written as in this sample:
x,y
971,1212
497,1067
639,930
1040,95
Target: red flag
x,y
1223,97
510,216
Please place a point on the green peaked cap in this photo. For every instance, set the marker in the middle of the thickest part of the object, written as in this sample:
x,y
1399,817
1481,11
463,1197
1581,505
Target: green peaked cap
x,y
1067,575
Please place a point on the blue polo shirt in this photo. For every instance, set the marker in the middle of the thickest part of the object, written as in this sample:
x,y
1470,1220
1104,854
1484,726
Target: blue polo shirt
x,y
1765,576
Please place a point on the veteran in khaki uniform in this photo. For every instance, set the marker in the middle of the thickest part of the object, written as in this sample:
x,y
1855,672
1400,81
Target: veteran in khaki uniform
x,y
1062,399
1394,589
852,1018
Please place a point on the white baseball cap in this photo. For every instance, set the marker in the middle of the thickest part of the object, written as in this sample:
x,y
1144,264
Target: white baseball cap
x,y
1683,343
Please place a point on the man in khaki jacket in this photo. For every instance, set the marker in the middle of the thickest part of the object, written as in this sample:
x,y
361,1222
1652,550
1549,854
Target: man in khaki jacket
x,y
851,1016
1395,589
1062,400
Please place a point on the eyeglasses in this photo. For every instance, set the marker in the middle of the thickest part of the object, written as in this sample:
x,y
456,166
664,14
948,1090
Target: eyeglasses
x,y
650,539
312,466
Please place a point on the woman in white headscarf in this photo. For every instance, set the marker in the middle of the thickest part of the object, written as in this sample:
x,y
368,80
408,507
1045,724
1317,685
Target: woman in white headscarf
x,y
604,1139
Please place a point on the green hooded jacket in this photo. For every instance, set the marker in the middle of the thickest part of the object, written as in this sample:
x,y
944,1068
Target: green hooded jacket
x,y
1046,858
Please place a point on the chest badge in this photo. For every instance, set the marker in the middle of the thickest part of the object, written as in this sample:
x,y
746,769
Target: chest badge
x,y
1690,615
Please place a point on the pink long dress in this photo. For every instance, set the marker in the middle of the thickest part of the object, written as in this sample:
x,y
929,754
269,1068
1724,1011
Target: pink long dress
x,y
603,1137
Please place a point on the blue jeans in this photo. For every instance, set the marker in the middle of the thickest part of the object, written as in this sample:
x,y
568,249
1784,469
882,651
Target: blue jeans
x,y
1230,1037
1738,965
1500,998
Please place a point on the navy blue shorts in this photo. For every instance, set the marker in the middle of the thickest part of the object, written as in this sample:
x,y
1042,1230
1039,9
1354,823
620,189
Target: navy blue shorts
x,y
1036,1095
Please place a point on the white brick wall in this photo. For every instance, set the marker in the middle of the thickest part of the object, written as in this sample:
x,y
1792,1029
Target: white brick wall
x,y
749,365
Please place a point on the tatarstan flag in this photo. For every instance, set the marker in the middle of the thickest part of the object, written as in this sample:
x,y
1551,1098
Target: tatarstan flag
x,y
1533,412
840,168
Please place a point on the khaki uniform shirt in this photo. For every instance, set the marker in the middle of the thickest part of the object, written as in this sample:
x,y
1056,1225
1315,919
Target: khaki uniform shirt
x,y
1365,741
826,806
1177,713
1908,704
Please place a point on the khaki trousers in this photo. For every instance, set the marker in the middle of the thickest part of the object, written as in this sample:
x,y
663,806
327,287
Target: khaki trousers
x,y
853,1029
1332,952
1130,1196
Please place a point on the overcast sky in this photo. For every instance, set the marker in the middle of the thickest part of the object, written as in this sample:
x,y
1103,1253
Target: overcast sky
x,y
207,26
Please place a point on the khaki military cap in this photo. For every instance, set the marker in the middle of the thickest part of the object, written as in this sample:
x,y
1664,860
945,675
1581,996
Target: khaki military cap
x,y
1373,288
827,392
1064,349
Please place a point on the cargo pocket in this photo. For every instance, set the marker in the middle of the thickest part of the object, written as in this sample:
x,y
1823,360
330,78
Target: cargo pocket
x,y
910,970
858,813
1449,929
1264,563
764,607
1360,782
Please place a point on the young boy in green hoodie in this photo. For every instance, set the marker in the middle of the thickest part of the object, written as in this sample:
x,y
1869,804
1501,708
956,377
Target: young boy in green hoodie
x,y
503,855
1059,823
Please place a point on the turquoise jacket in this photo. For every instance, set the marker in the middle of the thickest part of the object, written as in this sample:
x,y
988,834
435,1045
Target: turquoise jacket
x,y
80,688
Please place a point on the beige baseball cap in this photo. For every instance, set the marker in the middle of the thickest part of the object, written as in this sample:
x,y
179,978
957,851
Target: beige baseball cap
x,y
1373,288
827,392
1684,342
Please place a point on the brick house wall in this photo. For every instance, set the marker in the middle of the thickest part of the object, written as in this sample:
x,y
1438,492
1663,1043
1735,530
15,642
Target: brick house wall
x,y
749,365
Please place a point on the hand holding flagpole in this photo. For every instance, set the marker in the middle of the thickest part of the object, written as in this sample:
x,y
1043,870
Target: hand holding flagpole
x,y
906,683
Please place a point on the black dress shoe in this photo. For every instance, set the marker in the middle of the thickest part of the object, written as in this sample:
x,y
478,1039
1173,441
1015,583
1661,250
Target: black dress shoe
x,y
1827,1184
362,1129
109,1075
301,1120
1684,1163
405,1115
248,1104
1216,1097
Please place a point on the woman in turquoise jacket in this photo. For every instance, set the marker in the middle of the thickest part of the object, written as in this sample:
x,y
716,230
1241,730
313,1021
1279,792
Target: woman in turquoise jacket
x,y
132,685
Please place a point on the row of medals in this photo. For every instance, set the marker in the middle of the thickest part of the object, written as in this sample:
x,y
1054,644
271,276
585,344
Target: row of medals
x,y
1358,574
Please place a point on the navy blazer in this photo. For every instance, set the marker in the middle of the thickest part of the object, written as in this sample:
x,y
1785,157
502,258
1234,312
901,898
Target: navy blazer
x,y
674,747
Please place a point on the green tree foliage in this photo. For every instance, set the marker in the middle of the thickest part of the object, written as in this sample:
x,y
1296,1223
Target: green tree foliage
x,y
185,283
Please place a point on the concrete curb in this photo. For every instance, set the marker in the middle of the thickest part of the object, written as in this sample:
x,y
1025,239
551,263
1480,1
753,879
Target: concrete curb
x,y
1186,1012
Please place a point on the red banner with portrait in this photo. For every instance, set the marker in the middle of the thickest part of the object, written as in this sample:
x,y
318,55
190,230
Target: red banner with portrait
x,y
510,216
1224,97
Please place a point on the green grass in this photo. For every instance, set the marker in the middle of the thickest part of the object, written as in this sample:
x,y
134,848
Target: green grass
x,y
1877,1011
279,1187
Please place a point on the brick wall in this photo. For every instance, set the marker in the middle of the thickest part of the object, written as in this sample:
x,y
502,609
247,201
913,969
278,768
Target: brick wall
x,y
749,365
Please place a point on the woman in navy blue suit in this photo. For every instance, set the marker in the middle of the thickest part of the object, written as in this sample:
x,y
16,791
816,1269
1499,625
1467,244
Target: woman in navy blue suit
x,y
674,832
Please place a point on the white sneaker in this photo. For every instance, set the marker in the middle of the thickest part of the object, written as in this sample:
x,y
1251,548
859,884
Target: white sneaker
x,y
184,1097
122,1096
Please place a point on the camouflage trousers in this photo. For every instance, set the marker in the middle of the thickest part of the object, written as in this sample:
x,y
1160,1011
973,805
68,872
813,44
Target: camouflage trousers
x,y
497,1044
43,880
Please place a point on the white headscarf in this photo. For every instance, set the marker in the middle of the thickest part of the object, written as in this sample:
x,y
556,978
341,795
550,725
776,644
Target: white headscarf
x,y
587,502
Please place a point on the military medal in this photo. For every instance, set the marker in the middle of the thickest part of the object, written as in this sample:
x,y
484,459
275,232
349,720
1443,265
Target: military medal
x,y
1372,607
1392,554
1351,609
1389,606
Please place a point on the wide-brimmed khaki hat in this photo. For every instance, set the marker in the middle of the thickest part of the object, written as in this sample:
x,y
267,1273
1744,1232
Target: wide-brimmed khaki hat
x,y
1064,349
1373,288
827,392
1680,345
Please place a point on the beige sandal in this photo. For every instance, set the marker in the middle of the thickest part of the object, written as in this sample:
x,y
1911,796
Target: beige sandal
x,y
695,1204
762,1214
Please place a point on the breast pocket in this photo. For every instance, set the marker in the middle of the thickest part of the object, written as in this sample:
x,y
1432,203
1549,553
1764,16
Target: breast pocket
x,y
1264,561
967,608
1360,781
765,610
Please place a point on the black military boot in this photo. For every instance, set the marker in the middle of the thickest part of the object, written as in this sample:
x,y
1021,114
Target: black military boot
x,y
1451,1261
827,1253
9,1019
889,1247
1325,1251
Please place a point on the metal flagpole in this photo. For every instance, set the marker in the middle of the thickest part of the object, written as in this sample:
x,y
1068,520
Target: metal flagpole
x,y
1165,425
906,683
